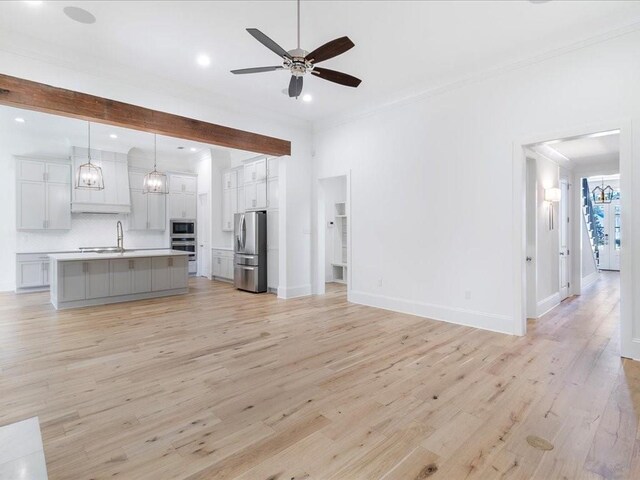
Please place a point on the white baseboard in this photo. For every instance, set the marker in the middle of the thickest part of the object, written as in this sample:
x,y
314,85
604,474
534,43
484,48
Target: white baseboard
x,y
459,316
589,279
548,304
294,292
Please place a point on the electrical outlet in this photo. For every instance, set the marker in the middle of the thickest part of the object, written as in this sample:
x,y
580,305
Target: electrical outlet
x,y
379,282
467,294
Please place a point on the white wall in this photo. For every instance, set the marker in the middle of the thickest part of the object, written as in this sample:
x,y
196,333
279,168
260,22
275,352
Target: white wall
x,y
547,261
432,185
295,245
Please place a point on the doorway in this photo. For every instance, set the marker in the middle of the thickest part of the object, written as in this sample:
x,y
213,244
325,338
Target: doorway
x,y
334,227
586,154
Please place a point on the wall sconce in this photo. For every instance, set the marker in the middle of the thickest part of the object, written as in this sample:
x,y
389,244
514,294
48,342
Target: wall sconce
x,y
552,195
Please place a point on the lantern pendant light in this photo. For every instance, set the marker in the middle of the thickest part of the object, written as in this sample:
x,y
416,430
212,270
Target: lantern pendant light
x,y
155,181
88,175
601,194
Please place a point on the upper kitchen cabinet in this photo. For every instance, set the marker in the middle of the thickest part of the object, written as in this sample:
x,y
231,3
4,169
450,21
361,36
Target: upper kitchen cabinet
x,y
148,210
43,190
115,197
233,198
255,185
182,183
182,196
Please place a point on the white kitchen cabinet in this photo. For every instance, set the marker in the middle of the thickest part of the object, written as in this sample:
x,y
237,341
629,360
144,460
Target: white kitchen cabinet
x,y
83,280
227,211
32,205
43,195
230,179
130,275
272,167
32,271
156,212
120,276
116,278
180,183
58,205
96,279
72,284
255,185
222,264
261,194
30,274
168,273
148,210
190,202
182,196
31,170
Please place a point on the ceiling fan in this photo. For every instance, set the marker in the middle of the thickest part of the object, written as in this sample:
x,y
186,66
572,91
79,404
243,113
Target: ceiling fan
x,y
300,62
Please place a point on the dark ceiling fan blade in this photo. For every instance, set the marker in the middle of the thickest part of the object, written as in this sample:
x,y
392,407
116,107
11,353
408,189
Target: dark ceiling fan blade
x,y
256,70
336,77
295,86
331,49
267,42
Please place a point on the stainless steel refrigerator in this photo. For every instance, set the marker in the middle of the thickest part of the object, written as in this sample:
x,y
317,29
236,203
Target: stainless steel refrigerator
x,y
250,251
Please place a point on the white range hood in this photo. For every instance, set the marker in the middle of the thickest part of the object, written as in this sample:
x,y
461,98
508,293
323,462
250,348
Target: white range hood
x,y
115,197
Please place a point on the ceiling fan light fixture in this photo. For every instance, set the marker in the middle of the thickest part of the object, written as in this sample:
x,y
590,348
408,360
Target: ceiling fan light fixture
x,y
300,62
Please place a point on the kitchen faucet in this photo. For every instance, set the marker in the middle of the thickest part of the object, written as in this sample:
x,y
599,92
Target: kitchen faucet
x,y
120,235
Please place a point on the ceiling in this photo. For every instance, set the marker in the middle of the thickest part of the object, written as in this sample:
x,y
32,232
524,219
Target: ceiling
x,y
401,46
602,148
52,135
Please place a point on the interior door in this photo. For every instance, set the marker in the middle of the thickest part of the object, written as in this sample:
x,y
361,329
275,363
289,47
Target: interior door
x,y
608,215
563,224
204,231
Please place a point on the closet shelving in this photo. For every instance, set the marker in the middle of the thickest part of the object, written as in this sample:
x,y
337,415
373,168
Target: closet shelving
x,y
339,263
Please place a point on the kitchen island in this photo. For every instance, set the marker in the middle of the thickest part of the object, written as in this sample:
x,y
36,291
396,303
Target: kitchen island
x,y
82,279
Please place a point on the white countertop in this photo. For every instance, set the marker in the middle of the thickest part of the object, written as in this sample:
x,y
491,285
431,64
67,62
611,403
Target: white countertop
x,y
223,248
126,254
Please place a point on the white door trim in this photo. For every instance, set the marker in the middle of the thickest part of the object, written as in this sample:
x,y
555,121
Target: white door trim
x,y
630,339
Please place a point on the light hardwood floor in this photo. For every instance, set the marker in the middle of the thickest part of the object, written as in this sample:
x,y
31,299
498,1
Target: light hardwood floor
x,y
220,384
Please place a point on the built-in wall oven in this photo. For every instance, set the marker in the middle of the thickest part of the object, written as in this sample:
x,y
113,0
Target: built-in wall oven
x,y
183,238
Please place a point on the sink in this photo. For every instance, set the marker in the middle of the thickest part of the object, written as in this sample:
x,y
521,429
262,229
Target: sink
x,y
103,250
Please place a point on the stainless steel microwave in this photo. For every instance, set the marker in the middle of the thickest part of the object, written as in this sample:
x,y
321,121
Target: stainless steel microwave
x,y
183,228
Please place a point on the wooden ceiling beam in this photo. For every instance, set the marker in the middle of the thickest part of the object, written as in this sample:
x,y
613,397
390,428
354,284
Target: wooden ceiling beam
x,y
21,93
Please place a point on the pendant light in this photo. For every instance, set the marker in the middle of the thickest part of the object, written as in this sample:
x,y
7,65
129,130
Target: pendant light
x,y
88,175
601,194
155,181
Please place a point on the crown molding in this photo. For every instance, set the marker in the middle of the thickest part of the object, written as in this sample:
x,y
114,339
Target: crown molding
x,y
423,94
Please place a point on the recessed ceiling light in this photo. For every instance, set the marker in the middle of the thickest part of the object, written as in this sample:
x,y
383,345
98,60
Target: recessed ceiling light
x,y
113,135
79,15
193,149
203,60
19,119
307,97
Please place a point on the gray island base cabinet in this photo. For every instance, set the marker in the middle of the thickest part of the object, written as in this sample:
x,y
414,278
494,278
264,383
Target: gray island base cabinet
x,y
83,279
